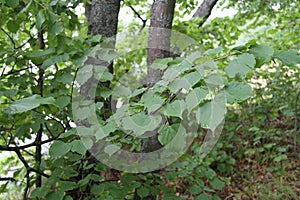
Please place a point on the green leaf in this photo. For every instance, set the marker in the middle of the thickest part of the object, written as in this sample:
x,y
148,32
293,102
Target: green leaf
x,y
40,19
101,73
58,195
237,92
69,133
97,189
195,189
195,97
13,26
29,103
280,158
56,28
167,133
186,82
263,53
202,197
178,143
213,51
143,192
212,113
140,123
242,65
59,148
39,192
111,149
288,58
175,108
78,147
151,100
55,59
217,184
161,63
84,74
67,185
62,101
12,3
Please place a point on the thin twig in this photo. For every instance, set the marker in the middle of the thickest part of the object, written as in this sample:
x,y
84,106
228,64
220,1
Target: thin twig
x,y
144,21
11,39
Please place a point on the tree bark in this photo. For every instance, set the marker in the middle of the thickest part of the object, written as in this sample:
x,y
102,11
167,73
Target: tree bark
x,y
158,47
159,36
204,10
102,19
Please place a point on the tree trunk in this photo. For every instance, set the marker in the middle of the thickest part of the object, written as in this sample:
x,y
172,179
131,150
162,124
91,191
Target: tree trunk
x,y
158,47
102,19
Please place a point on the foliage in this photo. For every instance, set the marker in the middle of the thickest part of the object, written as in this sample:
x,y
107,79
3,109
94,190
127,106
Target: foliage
x,y
31,100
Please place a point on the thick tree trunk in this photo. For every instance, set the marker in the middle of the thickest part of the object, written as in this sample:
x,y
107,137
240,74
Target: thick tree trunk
x,y
158,47
102,19
159,36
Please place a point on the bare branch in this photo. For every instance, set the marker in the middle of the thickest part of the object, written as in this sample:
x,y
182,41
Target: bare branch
x,y
144,21
204,10
7,179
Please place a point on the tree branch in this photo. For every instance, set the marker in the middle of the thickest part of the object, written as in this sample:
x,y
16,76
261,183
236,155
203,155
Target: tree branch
x,y
144,21
33,144
204,10
7,179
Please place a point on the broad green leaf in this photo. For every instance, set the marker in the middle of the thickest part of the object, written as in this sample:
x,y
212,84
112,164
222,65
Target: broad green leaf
x,y
167,133
178,143
13,26
29,103
59,148
39,192
71,132
111,149
56,28
143,192
40,19
206,68
213,51
84,74
195,97
217,184
237,92
195,189
140,123
97,189
212,113
101,73
175,108
175,70
151,100
108,55
55,59
242,65
62,101
58,195
138,92
263,53
288,58
78,147
12,3
186,82
67,185
202,197
280,158
161,63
